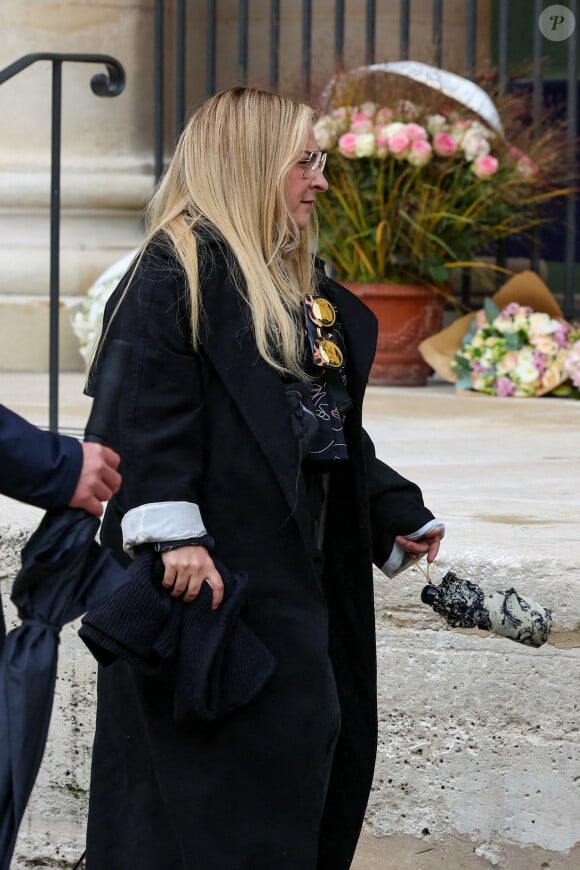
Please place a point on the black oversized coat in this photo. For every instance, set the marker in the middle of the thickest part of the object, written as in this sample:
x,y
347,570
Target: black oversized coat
x,y
283,783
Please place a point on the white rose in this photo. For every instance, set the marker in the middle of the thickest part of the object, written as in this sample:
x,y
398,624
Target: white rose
x,y
525,370
542,324
325,134
436,124
504,324
393,129
365,145
474,145
481,130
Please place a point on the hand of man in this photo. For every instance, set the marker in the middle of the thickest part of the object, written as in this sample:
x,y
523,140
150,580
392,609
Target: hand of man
x,y
99,478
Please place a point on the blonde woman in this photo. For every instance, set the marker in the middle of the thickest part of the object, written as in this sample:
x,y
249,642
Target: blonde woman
x,y
243,451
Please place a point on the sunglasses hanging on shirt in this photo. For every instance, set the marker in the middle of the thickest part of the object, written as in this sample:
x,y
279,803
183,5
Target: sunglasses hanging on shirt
x,y
324,334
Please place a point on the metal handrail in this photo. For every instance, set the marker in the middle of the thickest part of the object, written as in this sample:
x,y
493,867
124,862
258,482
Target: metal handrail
x,y
110,84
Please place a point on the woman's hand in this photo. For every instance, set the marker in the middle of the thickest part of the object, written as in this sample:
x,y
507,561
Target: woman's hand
x,y
429,544
186,568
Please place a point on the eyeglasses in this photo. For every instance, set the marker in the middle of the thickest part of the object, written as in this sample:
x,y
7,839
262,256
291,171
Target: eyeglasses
x,y
314,161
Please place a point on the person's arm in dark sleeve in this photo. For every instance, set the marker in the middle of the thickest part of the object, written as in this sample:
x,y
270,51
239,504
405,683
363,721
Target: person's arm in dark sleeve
x,y
37,467
53,471
402,528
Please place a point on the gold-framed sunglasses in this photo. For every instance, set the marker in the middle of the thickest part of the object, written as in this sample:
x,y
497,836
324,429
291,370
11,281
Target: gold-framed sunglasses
x,y
312,162
325,343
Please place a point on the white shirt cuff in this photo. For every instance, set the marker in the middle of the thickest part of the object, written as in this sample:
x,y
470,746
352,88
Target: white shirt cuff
x,y
400,560
161,521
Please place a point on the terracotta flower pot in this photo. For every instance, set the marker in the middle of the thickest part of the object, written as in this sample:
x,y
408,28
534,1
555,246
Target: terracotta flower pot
x,y
407,315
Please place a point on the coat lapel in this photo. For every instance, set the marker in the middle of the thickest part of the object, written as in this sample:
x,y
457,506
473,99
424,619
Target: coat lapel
x,y
256,388
360,331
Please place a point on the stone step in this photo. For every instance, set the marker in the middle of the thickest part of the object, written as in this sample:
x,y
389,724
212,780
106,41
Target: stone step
x,y
24,334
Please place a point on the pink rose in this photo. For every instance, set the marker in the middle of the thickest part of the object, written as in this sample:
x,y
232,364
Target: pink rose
x,y
382,144
385,115
361,122
420,153
340,115
398,145
444,144
524,165
485,167
414,131
360,116
347,145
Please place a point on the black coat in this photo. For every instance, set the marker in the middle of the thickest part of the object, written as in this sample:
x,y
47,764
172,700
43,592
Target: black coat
x,y
281,784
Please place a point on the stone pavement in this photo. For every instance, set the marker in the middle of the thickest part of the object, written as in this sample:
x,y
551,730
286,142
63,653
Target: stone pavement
x,y
504,476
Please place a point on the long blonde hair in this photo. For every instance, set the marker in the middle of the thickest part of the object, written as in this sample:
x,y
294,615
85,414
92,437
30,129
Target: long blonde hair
x,y
230,169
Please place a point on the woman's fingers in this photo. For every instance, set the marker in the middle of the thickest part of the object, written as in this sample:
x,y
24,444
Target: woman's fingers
x,y
434,544
186,569
429,544
213,580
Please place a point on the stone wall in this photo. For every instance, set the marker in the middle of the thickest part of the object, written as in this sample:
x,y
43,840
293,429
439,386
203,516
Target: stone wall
x,y
479,736
107,144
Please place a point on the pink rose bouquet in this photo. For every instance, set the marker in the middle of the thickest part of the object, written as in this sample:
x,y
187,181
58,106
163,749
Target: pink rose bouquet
x,y
418,187
517,352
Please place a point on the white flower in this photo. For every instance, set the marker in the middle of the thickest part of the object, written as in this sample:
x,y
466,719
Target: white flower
x,y
340,119
542,324
481,130
325,133
86,322
505,324
525,370
474,145
365,145
436,124
390,130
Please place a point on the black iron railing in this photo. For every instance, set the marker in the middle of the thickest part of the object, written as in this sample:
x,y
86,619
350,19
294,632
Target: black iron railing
x,y
172,107
109,84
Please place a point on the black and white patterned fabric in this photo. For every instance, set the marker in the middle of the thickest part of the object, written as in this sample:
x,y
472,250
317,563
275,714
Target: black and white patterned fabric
x,y
503,612
317,421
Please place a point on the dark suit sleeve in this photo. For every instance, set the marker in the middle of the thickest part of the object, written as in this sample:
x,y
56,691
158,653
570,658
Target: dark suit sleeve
x,y
396,504
37,467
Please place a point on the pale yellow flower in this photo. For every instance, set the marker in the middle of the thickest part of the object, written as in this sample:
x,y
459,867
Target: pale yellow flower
x,y
365,145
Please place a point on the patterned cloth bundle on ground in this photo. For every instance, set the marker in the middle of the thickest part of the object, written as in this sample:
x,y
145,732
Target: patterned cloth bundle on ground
x,y
503,612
